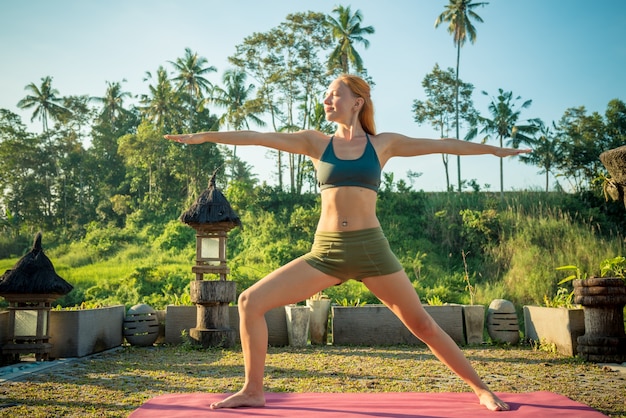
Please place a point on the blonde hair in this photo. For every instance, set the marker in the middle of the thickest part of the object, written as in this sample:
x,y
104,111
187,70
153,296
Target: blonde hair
x,y
360,88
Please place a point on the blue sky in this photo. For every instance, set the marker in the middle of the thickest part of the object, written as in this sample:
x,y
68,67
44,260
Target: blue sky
x,y
558,53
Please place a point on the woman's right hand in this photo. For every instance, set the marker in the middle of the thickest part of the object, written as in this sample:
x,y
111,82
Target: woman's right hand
x,y
186,138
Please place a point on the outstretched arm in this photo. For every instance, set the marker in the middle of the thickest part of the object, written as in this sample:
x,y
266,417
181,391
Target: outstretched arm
x,y
301,142
403,146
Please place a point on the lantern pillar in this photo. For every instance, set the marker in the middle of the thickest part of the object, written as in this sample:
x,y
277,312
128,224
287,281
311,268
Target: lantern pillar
x,y
212,296
29,318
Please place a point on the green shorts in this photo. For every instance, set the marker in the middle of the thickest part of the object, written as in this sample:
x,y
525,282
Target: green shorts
x,y
352,254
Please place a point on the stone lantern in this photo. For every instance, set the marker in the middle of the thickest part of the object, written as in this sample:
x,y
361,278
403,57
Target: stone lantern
x,y
212,217
30,288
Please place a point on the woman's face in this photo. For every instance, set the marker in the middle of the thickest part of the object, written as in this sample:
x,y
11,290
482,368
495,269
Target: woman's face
x,y
340,103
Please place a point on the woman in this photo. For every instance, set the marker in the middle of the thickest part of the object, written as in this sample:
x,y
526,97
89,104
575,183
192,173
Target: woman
x,y
349,243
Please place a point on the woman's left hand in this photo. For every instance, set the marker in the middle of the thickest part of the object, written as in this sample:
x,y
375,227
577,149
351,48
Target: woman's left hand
x,y
508,152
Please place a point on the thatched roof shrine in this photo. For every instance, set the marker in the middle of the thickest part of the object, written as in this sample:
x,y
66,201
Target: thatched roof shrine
x,y
33,274
211,210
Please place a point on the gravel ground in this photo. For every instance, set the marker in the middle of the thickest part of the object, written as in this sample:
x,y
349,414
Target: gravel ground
x,y
114,383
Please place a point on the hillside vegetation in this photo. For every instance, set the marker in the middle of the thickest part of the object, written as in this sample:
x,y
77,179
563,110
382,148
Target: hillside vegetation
x,y
503,247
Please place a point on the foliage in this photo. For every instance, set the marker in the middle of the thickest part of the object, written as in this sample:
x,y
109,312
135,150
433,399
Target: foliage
x,y
176,236
584,137
151,285
350,302
613,267
457,248
609,267
471,290
319,296
577,275
434,301
105,241
562,299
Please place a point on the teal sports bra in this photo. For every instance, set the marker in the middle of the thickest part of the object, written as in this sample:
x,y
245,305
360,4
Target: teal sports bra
x,y
363,172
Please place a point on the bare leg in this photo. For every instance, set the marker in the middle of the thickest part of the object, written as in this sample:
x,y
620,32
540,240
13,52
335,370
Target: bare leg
x,y
397,292
291,283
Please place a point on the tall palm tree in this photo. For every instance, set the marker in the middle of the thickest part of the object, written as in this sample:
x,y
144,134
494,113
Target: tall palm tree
x,y
161,106
235,98
504,124
459,14
112,102
346,30
239,109
191,70
45,100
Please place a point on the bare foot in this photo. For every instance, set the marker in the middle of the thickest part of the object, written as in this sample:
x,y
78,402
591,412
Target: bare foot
x,y
241,399
492,402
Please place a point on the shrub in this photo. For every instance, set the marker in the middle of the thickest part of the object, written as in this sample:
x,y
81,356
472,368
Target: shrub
x,y
175,236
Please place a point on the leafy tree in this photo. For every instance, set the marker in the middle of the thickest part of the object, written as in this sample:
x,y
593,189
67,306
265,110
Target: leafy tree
x,y
615,117
346,29
47,105
74,183
504,123
24,164
304,81
104,163
459,15
584,139
79,116
439,108
256,56
191,70
45,101
284,63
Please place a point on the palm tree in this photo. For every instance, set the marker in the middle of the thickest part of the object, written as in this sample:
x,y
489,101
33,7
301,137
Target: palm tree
x,y
112,102
504,124
547,152
191,70
239,109
459,15
346,30
45,100
161,106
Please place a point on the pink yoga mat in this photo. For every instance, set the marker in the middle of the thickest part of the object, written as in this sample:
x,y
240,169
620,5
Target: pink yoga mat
x,y
363,405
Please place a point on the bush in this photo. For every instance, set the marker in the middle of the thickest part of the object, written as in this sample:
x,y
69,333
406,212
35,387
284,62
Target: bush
x,y
106,241
11,247
176,236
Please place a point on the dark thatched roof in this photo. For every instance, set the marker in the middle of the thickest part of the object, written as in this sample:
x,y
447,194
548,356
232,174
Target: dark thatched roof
x,y
33,274
211,209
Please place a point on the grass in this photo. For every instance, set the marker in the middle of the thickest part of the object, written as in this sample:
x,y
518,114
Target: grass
x,y
113,384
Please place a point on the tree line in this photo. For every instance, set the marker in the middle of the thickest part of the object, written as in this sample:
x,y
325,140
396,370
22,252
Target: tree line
x,y
127,173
